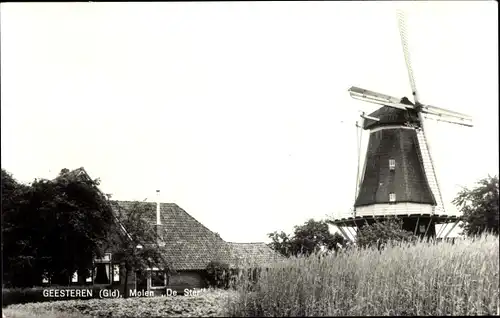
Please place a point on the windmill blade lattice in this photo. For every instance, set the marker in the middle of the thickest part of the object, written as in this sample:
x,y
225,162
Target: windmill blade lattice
x,y
403,32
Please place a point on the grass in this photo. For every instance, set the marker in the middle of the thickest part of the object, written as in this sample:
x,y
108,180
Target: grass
x,y
421,279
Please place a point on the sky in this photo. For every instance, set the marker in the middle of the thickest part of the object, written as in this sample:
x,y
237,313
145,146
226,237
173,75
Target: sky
x,y
238,111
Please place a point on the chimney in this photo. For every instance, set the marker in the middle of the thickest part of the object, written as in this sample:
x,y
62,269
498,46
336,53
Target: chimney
x,y
158,221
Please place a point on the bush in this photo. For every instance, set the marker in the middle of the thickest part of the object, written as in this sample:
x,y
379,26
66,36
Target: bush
x,y
12,296
218,275
379,234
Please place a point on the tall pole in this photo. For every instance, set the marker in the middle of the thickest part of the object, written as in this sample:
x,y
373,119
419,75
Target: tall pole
x,y
358,140
357,166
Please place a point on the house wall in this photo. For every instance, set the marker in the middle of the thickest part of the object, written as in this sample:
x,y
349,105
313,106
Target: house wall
x,y
176,282
130,281
187,279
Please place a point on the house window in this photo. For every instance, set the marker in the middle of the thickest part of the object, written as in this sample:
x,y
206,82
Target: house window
x,y
102,270
392,164
422,228
45,278
392,197
74,278
102,274
157,279
116,273
105,259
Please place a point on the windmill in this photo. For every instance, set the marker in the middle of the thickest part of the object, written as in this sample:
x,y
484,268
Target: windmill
x,y
398,176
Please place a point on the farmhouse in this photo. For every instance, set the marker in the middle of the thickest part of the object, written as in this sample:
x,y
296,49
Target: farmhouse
x,y
187,244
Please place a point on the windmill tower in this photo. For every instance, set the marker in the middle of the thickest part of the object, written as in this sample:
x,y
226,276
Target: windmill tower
x,y
398,177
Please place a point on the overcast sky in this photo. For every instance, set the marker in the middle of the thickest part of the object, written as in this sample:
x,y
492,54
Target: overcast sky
x,y
238,112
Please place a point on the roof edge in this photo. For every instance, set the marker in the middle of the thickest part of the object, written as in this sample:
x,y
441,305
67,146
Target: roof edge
x,y
264,243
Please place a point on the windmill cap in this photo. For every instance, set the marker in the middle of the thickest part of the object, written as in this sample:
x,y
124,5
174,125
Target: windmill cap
x,y
406,101
391,116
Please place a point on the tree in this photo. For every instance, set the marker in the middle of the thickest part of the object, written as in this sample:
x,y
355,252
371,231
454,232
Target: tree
x,y
308,238
379,233
12,240
281,242
53,227
136,244
479,207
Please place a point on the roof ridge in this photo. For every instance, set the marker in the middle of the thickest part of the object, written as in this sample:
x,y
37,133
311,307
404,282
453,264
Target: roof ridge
x,y
153,202
247,242
78,172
